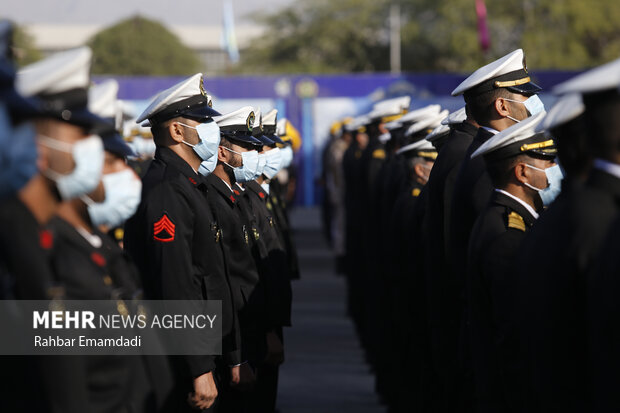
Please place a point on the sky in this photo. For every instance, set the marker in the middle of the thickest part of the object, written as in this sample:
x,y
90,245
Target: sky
x,y
172,12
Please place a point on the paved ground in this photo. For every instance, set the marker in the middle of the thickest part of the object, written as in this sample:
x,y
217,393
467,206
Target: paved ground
x,y
324,371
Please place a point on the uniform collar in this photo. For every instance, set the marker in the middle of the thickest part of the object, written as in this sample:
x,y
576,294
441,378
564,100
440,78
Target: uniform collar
x,y
170,158
222,187
256,188
490,130
528,213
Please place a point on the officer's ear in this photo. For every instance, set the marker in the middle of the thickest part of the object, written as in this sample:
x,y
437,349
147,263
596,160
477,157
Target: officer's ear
x,y
501,107
521,172
222,154
176,132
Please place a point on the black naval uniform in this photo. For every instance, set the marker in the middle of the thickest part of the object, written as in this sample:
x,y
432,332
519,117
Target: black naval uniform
x,y
472,191
278,293
354,197
495,238
25,274
175,241
276,203
603,321
247,289
440,188
100,272
551,297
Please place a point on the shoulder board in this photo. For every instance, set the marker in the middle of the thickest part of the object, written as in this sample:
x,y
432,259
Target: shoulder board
x,y
516,221
378,154
415,192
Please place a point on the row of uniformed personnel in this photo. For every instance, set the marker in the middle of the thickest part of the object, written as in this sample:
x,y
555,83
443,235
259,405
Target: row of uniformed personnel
x,y
488,283
207,221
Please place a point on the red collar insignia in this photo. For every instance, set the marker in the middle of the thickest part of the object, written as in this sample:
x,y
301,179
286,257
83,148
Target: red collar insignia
x,y
163,230
261,195
236,192
98,259
46,240
192,180
232,198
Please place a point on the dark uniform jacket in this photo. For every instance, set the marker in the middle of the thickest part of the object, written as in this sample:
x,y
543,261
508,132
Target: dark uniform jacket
x,y
278,293
107,383
25,274
603,326
276,204
440,187
175,241
555,258
471,194
247,289
495,238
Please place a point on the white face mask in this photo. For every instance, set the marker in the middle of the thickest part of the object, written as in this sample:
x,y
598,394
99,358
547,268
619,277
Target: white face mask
x,y
274,162
247,171
122,196
287,156
88,157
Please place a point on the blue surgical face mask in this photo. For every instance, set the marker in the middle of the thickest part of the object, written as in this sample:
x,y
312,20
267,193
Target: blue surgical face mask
x,y
209,134
122,196
207,167
262,161
88,158
18,160
247,171
554,180
274,162
287,156
533,104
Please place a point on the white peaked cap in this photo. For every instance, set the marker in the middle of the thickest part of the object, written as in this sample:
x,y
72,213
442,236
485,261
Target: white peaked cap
x,y
514,134
510,72
390,107
458,116
598,79
179,99
420,145
567,108
58,73
102,99
437,133
430,122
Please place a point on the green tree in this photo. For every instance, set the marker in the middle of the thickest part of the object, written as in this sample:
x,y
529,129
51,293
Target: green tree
x,y
437,35
138,46
25,50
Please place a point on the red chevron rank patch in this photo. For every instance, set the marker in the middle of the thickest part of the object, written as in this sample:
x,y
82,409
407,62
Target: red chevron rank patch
x,y
163,229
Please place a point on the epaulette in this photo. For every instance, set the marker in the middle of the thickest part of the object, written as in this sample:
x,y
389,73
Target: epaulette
x,y
378,154
516,221
415,192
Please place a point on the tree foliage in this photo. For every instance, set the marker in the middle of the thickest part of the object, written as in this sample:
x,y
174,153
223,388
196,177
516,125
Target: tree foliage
x,y
25,50
317,36
138,46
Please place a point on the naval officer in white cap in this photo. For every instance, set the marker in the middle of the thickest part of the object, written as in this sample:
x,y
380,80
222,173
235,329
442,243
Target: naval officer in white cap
x,y
174,237
574,297
67,162
497,96
516,159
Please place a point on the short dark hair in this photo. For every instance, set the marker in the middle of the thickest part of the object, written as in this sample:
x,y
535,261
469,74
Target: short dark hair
x,y
501,170
481,106
573,144
602,116
160,130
